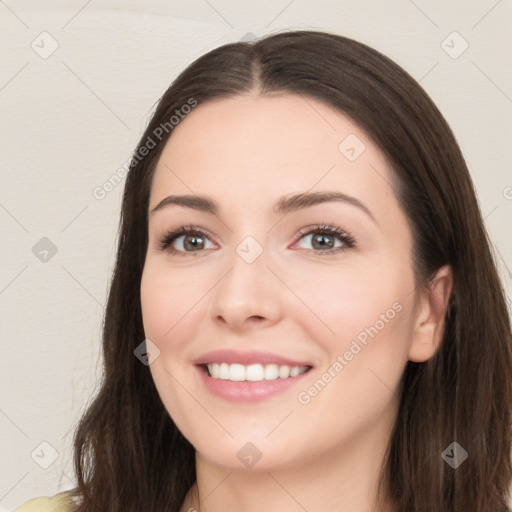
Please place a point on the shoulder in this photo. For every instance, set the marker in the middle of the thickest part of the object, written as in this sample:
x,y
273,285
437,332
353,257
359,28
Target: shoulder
x,y
61,502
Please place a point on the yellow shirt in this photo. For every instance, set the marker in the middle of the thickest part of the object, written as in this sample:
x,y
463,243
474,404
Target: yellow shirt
x,y
61,502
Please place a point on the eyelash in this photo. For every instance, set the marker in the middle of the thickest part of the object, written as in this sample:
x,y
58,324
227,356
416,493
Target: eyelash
x,y
347,239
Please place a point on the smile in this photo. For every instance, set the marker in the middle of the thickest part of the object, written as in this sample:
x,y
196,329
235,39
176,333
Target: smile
x,y
232,382
253,372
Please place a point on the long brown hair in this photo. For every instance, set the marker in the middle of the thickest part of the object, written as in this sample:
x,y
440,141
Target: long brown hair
x,y
130,456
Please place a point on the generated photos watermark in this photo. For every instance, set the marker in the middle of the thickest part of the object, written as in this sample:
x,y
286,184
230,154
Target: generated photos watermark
x,y
158,133
342,360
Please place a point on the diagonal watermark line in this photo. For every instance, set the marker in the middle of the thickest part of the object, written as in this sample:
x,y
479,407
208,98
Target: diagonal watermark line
x,y
10,490
428,72
301,300
492,81
384,178
202,500
280,423
286,490
14,423
217,486
67,476
219,13
503,260
198,302
12,280
279,14
309,103
12,12
200,404
486,14
82,286
74,218
14,76
392,391
63,474
425,14
419,285
152,109
13,217
492,211
70,429
99,99
76,14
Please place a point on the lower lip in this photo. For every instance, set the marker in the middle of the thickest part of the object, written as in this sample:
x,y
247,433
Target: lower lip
x,y
247,391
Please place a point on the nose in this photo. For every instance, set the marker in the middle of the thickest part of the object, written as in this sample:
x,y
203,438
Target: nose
x,y
247,295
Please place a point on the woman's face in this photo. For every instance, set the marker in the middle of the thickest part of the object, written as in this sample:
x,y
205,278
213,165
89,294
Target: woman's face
x,y
267,286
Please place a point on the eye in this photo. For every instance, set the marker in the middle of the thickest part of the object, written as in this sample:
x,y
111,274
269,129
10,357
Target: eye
x,y
323,238
193,238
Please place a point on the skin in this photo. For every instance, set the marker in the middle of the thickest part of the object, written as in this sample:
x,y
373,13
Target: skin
x,y
293,300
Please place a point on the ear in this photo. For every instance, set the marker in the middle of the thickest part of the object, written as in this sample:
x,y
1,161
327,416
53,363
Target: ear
x,y
430,316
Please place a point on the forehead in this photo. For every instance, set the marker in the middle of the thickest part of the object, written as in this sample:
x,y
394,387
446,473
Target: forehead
x,y
254,149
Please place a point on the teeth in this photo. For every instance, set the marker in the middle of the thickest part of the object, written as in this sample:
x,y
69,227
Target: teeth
x,y
271,371
253,372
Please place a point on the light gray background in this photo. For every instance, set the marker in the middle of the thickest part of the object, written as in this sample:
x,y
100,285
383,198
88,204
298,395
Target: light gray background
x,y
71,119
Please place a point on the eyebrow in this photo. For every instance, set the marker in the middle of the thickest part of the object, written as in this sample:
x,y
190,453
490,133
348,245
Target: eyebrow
x,y
284,205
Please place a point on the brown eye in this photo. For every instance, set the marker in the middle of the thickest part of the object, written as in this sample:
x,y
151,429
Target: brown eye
x,y
192,242
183,240
327,239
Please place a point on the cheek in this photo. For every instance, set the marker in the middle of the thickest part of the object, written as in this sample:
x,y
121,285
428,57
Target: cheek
x,y
363,363
366,312
154,304
167,301
348,301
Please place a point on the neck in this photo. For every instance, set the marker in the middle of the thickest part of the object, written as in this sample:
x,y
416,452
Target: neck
x,y
344,479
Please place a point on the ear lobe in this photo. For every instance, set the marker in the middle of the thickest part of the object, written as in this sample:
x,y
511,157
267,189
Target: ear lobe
x,y
430,317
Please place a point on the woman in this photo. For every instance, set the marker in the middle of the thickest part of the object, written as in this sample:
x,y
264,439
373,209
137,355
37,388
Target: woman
x,y
340,341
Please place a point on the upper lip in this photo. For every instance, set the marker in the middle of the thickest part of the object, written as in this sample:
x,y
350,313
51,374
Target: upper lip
x,y
246,358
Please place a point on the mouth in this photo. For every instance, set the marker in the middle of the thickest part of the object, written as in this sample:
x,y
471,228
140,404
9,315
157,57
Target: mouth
x,y
253,372
238,383
250,375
